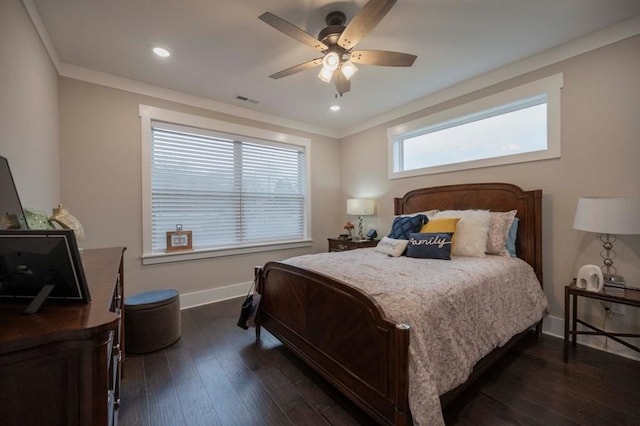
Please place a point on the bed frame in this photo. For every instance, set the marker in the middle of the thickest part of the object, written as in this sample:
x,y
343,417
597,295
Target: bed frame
x,y
343,333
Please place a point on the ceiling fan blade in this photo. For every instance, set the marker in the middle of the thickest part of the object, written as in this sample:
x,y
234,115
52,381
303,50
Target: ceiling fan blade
x,y
343,85
364,21
293,31
297,68
382,57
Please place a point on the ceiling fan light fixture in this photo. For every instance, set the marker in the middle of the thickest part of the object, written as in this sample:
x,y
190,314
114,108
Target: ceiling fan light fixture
x,y
334,107
348,69
331,61
336,42
325,75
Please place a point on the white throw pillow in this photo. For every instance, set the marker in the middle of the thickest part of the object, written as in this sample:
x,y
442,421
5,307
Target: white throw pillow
x,y
391,246
472,231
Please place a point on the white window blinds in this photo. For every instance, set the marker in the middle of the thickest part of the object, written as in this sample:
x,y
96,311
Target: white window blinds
x,y
230,191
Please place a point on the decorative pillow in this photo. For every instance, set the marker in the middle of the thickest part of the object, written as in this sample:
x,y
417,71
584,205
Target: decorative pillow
x,y
511,238
403,226
499,231
442,224
471,232
391,246
430,245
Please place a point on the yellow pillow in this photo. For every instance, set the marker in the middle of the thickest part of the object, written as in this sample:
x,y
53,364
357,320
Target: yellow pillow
x,y
442,224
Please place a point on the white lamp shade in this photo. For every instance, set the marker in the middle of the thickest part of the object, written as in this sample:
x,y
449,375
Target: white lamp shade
x,y
359,207
331,61
608,215
348,69
325,75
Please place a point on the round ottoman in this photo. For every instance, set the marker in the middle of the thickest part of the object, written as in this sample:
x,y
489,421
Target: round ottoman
x,y
151,321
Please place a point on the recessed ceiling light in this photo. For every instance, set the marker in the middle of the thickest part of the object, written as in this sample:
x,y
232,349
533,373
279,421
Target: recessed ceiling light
x,y
163,52
334,107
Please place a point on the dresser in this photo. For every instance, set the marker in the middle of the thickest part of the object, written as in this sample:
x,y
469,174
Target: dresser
x,y
62,365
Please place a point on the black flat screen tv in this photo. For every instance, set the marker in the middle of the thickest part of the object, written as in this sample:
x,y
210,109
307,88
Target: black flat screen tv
x,y
11,213
41,264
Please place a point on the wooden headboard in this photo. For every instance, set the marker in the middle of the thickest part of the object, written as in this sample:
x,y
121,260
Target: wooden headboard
x,y
498,197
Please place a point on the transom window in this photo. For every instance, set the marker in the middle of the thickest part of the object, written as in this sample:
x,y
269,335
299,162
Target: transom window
x,y
517,125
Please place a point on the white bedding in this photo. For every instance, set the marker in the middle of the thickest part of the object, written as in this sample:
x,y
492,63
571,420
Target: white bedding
x,y
458,310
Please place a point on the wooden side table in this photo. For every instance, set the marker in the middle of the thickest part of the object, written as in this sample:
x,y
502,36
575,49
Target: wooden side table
x,y
627,296
336,244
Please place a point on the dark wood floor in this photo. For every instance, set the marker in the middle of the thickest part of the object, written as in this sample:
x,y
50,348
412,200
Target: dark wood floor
x,y
217,375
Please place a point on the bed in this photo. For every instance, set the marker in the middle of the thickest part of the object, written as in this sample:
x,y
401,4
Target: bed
x,y
343,332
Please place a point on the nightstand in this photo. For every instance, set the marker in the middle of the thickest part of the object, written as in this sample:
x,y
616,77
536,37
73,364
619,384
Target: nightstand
x,y
336,244
626,296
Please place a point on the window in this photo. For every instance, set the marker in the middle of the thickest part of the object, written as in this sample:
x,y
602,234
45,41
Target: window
x,y
237,194
517,125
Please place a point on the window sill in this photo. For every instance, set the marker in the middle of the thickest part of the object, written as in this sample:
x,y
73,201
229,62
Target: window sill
x,y
179,256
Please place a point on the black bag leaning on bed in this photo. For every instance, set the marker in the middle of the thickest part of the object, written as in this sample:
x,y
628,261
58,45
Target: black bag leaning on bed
x,y
249,309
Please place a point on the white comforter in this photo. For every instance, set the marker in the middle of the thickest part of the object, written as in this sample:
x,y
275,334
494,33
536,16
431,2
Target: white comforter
x,y
458,310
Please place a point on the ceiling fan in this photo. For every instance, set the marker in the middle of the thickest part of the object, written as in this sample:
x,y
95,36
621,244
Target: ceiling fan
x,y
336,43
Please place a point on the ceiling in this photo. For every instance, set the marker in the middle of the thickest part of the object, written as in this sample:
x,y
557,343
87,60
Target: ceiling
x,y
221,50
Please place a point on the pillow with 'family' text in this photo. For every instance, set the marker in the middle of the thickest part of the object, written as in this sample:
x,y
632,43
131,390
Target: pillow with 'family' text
x,y
430,245
442,224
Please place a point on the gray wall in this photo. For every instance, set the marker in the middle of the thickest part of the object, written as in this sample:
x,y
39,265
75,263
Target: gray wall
x,y
28,109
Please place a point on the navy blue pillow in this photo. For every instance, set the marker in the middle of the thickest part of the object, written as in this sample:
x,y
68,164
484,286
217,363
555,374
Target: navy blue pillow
x,y
403,226
430,245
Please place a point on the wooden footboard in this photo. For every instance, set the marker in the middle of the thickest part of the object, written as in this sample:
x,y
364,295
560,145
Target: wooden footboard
x,y
342,333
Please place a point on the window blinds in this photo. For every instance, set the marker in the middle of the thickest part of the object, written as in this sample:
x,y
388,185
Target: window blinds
x,y
230,191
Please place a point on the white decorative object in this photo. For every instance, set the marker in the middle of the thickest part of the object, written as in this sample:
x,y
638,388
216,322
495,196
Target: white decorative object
x,y
590,278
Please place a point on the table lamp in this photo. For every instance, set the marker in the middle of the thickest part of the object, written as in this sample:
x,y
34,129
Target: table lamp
x,y
608,216
359,207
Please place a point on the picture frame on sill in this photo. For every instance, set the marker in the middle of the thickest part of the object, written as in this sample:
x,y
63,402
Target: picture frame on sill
x,y
179,239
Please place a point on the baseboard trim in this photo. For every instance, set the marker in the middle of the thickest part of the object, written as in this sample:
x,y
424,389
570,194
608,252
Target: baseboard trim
x,y
554,326
213,295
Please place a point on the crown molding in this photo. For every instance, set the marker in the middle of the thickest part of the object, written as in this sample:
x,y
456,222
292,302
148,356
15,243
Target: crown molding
x,y
109,80
551,56
32,11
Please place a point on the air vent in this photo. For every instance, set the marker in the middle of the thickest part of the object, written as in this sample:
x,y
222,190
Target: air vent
x,y
245,99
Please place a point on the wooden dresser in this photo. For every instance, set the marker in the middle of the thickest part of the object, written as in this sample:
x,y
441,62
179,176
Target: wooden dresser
x,y
62,365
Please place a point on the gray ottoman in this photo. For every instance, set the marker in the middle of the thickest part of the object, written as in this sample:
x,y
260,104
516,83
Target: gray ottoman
x,y
151,321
